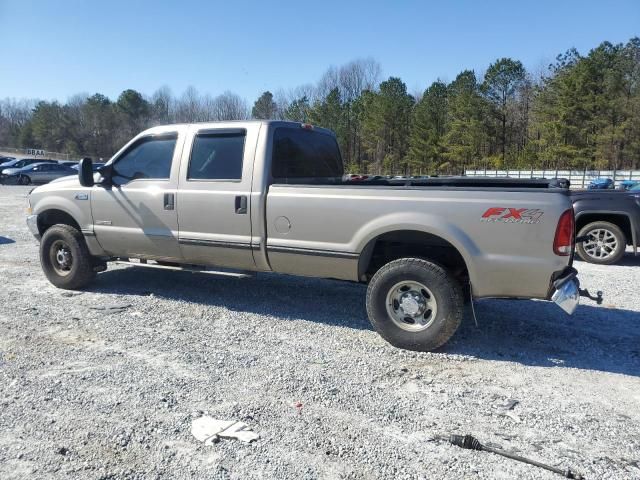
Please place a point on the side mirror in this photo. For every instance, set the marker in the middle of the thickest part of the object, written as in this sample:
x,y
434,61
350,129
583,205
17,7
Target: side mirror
x,y
85,172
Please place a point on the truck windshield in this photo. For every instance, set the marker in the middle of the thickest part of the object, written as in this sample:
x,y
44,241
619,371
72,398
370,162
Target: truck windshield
x,y
305,156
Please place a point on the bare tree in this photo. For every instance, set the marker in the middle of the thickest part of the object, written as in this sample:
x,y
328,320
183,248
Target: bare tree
x,y
163,106
284,98
17,112
14,115
189,108
230,106
330,80
356,76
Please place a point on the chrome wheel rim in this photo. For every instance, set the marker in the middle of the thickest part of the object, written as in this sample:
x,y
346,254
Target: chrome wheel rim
x,y
411,306
601,244
61,257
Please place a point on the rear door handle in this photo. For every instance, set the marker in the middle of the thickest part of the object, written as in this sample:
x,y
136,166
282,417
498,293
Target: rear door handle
x,y
169,201
241,204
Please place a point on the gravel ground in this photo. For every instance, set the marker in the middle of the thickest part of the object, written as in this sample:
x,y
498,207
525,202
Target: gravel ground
x,y
105,383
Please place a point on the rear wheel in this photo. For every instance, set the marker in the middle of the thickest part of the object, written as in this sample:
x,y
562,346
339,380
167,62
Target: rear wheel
x,y
606,243
65,258
414,304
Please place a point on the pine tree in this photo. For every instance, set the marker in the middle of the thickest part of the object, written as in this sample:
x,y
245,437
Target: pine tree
x,y
386,121
467,133
428,128
501,82
264,108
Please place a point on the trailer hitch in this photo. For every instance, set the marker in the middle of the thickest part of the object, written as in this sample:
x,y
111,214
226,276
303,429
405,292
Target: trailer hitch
x,y
585,293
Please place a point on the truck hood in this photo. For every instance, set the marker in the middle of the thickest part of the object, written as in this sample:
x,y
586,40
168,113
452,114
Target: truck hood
x,y
61,183
73,178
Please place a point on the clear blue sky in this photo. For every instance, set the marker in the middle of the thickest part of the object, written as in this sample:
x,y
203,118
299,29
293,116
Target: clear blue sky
x,y
53,49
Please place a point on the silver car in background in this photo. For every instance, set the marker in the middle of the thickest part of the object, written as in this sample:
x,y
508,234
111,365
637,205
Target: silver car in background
x,y
36,173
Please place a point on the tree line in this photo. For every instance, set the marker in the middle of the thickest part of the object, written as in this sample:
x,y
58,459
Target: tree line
x,y
582,111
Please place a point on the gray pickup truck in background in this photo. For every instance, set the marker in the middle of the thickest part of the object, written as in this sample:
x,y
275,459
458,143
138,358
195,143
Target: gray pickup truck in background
x,y
270,196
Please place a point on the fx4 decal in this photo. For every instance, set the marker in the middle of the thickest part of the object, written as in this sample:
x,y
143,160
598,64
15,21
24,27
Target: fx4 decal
x,y
512,215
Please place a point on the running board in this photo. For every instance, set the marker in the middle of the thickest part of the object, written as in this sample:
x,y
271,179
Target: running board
x,y
192,269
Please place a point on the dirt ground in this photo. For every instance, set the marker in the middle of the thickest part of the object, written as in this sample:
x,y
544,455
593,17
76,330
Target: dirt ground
x,y
105,383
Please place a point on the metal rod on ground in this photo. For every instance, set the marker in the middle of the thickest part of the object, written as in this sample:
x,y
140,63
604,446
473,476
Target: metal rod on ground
x,y
471,443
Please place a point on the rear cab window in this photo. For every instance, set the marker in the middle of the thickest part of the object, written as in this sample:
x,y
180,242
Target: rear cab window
x,y
305,156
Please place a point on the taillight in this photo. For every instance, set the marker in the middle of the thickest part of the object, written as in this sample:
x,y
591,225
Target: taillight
x,y
563,242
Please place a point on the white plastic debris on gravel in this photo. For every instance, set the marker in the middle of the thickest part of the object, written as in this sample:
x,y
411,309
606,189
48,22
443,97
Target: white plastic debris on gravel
x,y
106,383
209,430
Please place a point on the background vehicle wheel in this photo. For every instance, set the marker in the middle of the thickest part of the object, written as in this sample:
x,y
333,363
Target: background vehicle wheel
x,y
606,243
414,304
65,259
24,180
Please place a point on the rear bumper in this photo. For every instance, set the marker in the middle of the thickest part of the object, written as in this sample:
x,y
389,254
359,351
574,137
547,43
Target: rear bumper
x,y
565,290
567,297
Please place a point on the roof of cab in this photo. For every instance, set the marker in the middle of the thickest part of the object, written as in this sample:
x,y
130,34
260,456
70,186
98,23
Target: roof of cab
x,y
237,123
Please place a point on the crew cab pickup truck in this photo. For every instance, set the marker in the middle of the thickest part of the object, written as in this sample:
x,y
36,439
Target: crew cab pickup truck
x,y
271,196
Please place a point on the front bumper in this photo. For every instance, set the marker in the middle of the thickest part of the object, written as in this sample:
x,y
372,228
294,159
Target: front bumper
x,y
32,223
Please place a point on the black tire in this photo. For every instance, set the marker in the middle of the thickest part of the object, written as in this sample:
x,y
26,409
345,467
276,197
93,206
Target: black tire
x,y
24,180
603,255
76,271
446,291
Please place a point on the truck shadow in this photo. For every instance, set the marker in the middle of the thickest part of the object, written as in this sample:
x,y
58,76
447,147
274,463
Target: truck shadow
x,y
630,260
537,333
295,298
532,333
6,240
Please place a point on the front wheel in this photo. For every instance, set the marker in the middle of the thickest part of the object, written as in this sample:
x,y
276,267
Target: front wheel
x,y
605,244
24,180
65,258
414,304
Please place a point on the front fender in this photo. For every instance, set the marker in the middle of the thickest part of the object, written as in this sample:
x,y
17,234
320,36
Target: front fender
x,y
81,213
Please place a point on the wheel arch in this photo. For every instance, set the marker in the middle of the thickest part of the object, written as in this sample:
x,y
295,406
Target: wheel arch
x,y
53,216
418,241
621,219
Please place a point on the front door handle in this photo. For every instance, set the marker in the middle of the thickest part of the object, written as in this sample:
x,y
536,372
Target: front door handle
x,y
241,204
169,201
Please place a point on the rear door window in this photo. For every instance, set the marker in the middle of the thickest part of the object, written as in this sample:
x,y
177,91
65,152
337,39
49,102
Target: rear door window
x,y
217,155
300,154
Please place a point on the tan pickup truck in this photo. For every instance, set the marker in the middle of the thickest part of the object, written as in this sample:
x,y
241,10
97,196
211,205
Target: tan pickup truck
x,y
270,196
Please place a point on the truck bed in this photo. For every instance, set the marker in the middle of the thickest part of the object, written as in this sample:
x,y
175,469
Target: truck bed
x,y
452,182
326,227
